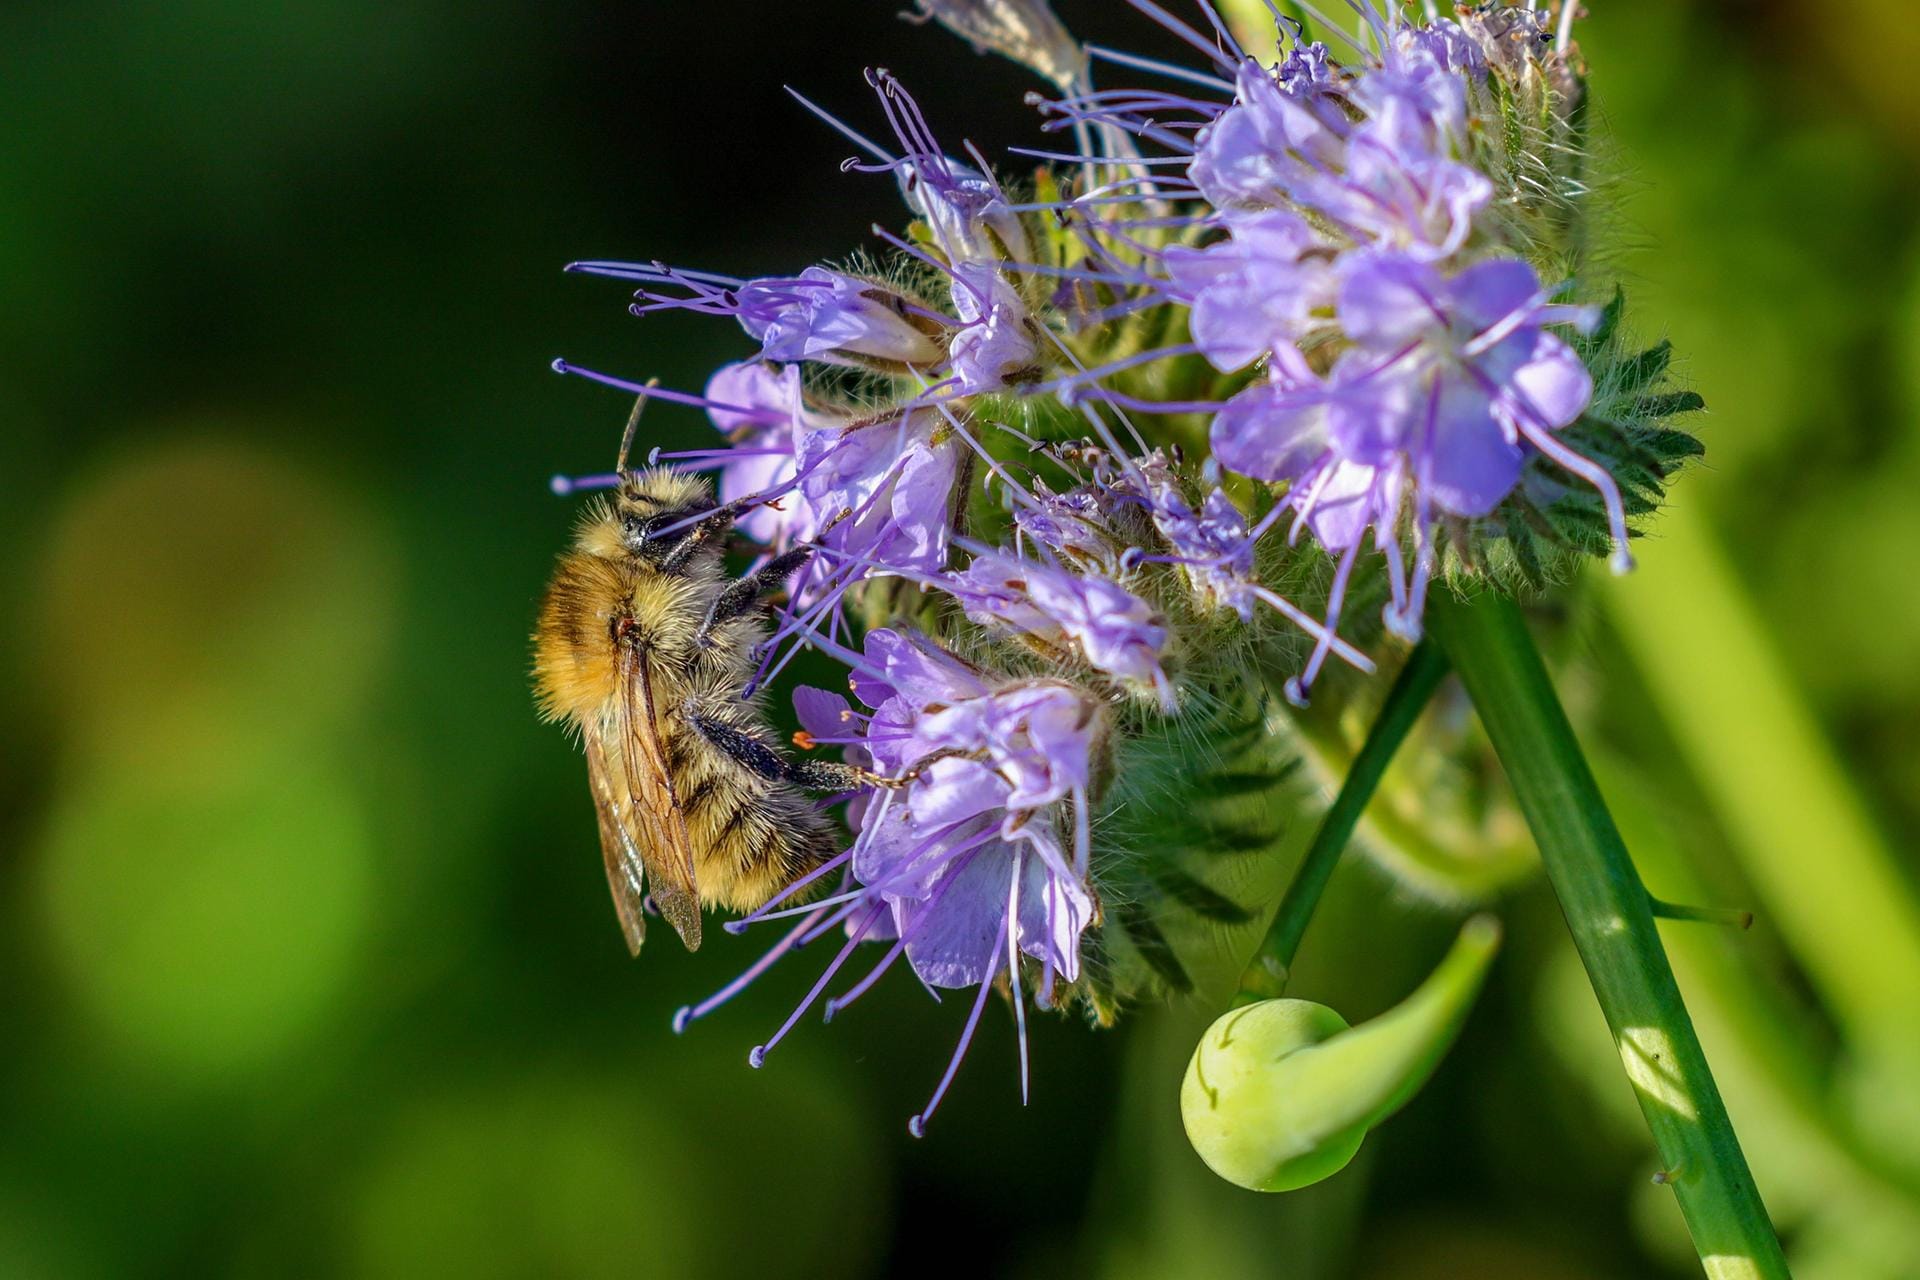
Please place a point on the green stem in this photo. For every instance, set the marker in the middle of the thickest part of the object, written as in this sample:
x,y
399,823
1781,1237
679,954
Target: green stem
x,y
1609,913
1266,974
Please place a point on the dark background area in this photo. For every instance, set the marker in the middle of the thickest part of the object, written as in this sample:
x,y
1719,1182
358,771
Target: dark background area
x,y
306,962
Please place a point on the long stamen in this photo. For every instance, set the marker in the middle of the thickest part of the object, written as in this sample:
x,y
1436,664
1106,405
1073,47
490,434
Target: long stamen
x,y
1297,686
846,131
1013,967
689,1013
757,1057
565,366
1321,632
917,1126
759,913
834,1004
564,485
1183,32
1159,68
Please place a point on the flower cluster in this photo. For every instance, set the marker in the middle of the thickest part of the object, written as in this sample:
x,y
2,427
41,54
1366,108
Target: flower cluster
x,y
1346,281
974,860
1354,250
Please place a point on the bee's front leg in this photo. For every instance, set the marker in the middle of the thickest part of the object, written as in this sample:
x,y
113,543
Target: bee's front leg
x,y
744,594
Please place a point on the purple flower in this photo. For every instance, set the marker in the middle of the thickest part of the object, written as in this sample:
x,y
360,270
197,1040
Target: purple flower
x,y
1260,150
817,315
758,407
995,762
1391,178
1457,374
882,490
1072,525
976,857
828,315
995,347
1254,293
1114,630
1461,373
1451,381
964,205
1213,545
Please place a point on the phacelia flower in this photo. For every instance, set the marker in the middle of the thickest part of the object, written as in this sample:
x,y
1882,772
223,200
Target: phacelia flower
x,y
975,861
1113,629
1328,270
758,407
995,346
1254,293
1448,384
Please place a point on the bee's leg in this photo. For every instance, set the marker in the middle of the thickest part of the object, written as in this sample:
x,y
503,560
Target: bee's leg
x,y
714,522
756,756
749,591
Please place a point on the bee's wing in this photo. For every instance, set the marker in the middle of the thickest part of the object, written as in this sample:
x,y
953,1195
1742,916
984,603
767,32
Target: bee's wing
x,y
626,873
650,821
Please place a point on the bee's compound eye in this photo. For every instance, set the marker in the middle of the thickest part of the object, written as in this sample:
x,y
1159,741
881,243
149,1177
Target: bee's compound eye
x,y
657,530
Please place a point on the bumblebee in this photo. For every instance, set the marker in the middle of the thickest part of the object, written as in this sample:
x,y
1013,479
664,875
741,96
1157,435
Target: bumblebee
x,y
645,647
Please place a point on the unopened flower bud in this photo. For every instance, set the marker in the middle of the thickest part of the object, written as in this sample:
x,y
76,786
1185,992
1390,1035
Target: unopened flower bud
x,y
1281,1094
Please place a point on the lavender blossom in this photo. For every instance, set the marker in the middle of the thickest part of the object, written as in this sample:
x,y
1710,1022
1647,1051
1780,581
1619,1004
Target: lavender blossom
x,y
976,857
759,408
1331,272
1253,295
1448,383
819,314
995,347
1114,630
883,489
825,314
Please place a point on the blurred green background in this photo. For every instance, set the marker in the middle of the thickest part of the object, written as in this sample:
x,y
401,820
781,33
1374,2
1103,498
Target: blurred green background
x,y
307,965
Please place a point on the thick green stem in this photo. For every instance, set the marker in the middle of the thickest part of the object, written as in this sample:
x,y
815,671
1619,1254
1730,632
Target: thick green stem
x,y
1266,974
1609,913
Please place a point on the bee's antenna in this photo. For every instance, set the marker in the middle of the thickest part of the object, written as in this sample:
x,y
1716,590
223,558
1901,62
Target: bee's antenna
x,y
633,424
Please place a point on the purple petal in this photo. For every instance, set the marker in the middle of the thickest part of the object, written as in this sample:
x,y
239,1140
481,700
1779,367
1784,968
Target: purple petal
x,y
1552,388
952,940
821,713
1390,299
1488,292
1352,498
1268,433
1472,465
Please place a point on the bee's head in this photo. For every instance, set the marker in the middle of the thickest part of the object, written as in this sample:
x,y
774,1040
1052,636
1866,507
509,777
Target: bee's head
x,y
656,509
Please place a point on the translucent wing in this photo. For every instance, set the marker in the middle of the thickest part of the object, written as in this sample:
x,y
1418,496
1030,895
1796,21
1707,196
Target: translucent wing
x,y
646,813
626,873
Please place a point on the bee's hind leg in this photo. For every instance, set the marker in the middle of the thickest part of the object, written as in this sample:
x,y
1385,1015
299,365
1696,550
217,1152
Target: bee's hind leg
x,y
745,593
756,756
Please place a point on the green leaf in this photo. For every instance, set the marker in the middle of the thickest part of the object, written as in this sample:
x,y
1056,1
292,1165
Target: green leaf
x,y
1641,372
1196,897
1669,404
1152,945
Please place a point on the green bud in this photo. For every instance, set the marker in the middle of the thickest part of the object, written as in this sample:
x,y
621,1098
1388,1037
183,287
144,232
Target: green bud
x,y
1280,1094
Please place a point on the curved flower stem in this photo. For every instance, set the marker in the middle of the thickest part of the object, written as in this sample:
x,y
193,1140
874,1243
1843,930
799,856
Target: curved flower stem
x,y
1266,974
1609,913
